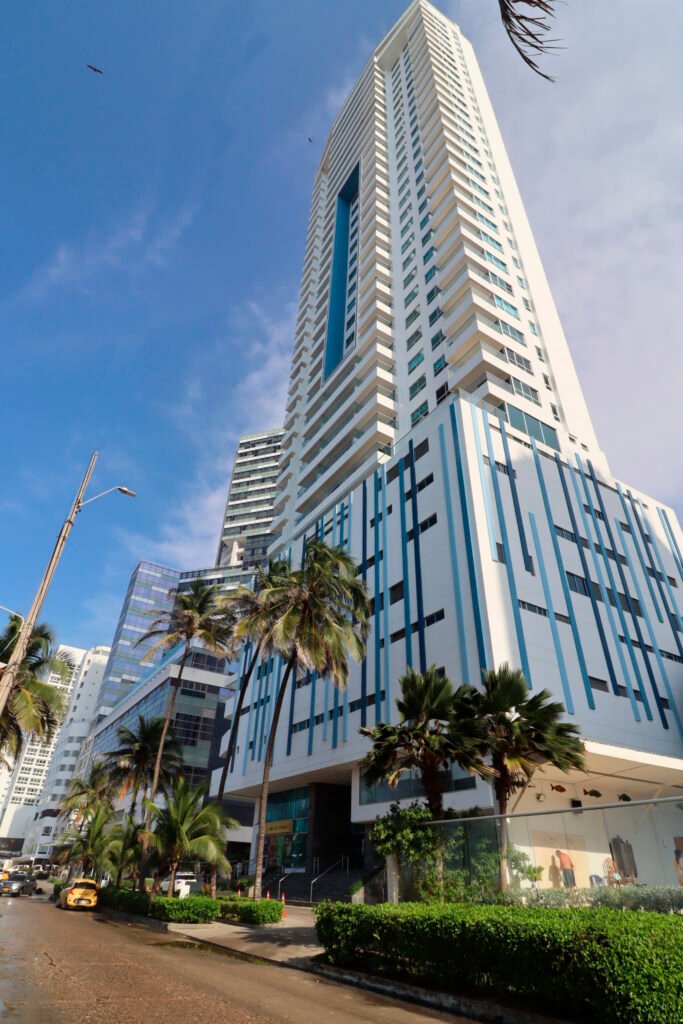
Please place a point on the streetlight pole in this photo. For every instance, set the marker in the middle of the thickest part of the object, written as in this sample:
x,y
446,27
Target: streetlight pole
x,y
9,676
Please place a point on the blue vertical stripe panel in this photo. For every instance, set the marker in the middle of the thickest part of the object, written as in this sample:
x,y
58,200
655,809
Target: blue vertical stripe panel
x,y
671,537
624,583
250,698
290,724
326,706
257,717
566,689
485,483
653,638
245,657
610,614
617,603
470,542
342,515
275,691
263,726
378,602
311,711
364,574
509,568
639,552
388,702
347,511
335,717
350,521
563,579
417,557
587,577
407,612
671,608
334,526
515,496
453,553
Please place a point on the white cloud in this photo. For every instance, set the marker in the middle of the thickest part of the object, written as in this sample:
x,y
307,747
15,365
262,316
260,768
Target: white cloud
x,y
141,242
214,410
598,158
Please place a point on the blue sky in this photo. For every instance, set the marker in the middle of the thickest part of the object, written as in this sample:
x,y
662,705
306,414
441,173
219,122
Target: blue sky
x,y
154,220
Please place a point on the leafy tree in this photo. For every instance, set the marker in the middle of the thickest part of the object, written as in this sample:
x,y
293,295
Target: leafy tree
x,y
523,731
244,604
432,734
404,832
131,765
35,708
125,847
85,795
89,846
315,618
183,828
197,615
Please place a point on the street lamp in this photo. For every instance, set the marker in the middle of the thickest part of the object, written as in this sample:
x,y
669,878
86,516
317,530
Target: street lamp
x,y
9,675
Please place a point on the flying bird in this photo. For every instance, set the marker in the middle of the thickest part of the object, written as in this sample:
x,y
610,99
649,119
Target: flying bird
x,y
92,67
309,138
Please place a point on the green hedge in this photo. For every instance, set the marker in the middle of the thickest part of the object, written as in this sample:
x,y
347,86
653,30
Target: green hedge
x,y
601,965
251,912
124,899
57,888
192,909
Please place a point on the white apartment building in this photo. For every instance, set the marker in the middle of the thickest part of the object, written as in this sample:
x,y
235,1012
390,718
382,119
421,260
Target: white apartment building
x,y
42,830
246,534
436,428
32,766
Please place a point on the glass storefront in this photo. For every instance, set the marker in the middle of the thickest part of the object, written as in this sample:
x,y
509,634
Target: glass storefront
x,y
287,830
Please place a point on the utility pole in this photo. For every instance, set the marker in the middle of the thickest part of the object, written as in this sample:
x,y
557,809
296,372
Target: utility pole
x,y
9,676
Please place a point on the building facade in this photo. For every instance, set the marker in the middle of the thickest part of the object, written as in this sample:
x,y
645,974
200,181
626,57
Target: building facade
x,y
33,764
151,587
246,535
42,831
436,428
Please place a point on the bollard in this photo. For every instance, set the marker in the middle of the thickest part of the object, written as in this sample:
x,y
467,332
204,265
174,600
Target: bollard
x,y
284,907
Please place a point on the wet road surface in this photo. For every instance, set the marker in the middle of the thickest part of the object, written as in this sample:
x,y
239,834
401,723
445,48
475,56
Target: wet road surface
x,y
65,967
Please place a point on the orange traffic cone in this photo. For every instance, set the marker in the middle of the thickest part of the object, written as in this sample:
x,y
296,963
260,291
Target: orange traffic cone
x,y
239,893
267,894
284,907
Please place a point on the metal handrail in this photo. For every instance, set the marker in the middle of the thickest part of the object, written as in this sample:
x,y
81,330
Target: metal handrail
x,y
342,860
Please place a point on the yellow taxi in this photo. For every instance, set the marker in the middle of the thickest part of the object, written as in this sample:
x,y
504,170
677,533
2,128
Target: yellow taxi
x,y
82,894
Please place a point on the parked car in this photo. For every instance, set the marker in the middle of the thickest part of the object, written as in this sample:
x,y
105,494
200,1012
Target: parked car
x,y
185,883
18,883
82,894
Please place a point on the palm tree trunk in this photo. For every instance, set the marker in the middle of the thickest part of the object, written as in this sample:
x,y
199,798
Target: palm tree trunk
x,y
214,880
234,728
265,782
502,799
157,764
119,875
171,879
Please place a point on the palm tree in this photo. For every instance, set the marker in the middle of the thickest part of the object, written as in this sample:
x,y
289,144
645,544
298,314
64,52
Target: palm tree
x,y
314,617
125,848
523,731
90,846
183,828
244,603
426,739
85,795
35,708
131,765
526,30
200,615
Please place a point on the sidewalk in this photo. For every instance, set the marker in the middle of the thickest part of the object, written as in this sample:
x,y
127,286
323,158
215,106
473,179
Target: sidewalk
x,y
292,942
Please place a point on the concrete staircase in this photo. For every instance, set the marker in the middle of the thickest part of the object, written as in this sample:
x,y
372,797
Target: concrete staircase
x,y
331,886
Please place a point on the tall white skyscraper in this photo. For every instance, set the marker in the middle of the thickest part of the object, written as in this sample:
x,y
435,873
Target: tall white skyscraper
x,y
32,765
436,428
245,536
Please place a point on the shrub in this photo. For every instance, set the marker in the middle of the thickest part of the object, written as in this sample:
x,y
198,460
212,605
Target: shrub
x,y
592,964
241,883
251,911
57,888
124,899
192,909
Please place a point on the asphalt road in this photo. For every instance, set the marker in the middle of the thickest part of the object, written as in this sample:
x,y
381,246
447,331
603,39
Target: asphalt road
x,y
66,967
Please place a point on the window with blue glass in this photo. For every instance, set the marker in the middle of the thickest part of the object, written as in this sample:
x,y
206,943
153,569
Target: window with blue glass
x,y
340,335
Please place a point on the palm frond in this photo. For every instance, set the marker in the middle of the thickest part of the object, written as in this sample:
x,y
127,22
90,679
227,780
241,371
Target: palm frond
x,y
527,31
